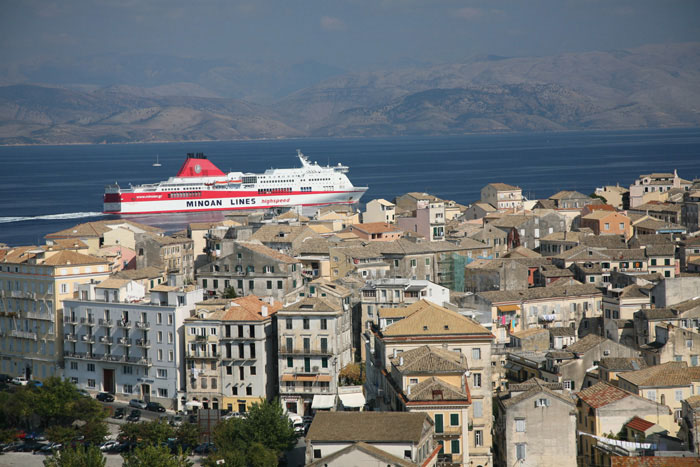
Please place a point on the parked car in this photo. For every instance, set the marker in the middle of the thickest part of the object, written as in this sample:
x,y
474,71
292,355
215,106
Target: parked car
x,y
205,448
19,381
155,407
108,445
36,383
11,446
104,397
5,378
137,403
83,393
48,449
29,446
119,413
134,416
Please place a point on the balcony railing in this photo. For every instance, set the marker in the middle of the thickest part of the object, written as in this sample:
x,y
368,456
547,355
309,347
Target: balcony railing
x,y
88,320
143,342
123,324
106,339
70,320
204,355
108,357
105,322
284,350
23,334
71,337
124,341
143,324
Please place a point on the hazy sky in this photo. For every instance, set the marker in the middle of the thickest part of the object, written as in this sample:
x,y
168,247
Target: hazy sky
x,y
350,34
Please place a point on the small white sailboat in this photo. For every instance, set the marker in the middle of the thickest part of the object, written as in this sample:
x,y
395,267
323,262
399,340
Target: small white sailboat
x,y
157,164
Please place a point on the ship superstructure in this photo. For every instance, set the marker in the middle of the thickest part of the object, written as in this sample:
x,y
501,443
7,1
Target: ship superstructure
x,y
200,186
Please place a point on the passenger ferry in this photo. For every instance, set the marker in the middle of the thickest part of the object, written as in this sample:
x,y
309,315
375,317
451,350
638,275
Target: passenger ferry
x,y
201,186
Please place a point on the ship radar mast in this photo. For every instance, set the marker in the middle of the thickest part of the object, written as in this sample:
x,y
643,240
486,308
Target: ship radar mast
x,y
304,160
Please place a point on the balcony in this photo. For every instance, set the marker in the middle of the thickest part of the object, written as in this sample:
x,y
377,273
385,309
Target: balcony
x,y
124,341
143,342
105,322
88,320
106,340
449,432
23,334
284,350
143,325
207,355
449,459
71,337
88,338
123,324
70,320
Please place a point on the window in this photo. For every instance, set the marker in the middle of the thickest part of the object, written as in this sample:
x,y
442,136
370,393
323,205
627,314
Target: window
x,y
127,370
269,285
73,365
477,380
306,323
520,451
324,362
161,373
413,263
569,385
438,423
91,367
520,425
454,446
160,337
91,383
478,409
249,391
324,323
253,370
162,392
478,438
160,354
317,454
290,362
159,318
651,395
454,419
288,323
476,354
127,389
679,395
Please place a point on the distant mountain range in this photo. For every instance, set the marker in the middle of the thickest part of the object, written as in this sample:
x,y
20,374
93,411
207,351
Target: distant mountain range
x,y
175,100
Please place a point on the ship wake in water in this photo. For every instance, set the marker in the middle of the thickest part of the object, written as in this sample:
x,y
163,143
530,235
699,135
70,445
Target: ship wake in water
x,y
67,215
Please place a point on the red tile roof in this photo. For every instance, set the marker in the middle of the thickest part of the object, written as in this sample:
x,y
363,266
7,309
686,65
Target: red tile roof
x,y
602,394
639,424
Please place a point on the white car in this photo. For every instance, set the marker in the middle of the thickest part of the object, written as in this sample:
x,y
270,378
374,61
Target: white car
x,y
19,380
137,403
107,445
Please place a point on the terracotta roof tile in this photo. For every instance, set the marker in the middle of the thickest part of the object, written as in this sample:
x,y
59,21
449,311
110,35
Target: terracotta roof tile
x,y
602,394
639,424
432,320
371,427
427,359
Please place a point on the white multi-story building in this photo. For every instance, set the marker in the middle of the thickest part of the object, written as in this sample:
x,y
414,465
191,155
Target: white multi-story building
x,y
315,343
119,339
503,196
33,281
379,210
231,362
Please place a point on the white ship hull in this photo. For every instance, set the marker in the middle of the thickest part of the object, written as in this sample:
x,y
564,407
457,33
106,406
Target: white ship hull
x,y
200,186
145,206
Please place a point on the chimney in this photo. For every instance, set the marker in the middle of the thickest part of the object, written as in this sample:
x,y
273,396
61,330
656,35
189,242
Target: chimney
x,y
400,361
408,390
394,356
264,311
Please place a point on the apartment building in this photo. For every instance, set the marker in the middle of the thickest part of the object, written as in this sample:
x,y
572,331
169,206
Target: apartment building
x,y
503,196
34,281
122,340
379,210
230,355
655,187
424,323
427,220
252,268
315,343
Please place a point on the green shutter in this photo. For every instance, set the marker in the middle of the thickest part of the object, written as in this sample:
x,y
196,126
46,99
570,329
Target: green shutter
x,y
454,419
455,446
438,423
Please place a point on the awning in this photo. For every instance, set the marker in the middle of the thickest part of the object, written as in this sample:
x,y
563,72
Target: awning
x,y
414,288
513,366
191,404
355,399
324,378
323,401
508,308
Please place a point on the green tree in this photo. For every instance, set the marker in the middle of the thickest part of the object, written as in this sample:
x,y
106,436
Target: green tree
x,y
264,434
229,292
155,456
61,434
187,434
352,375
76,457
155,432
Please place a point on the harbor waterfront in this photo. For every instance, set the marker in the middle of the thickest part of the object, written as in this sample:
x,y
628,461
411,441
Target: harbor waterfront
x,y
49,188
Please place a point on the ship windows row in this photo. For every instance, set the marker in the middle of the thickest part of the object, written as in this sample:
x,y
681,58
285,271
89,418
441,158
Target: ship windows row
x,y
274,190
185,194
